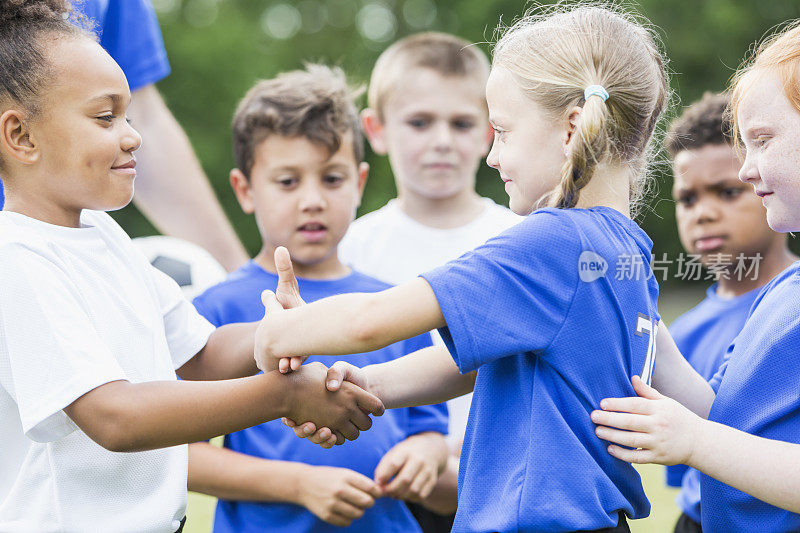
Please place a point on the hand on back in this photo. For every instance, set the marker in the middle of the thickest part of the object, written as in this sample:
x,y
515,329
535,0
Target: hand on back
x,y
659,429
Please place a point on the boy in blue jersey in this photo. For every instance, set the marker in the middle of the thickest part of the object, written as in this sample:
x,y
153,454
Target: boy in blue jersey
x,y
300,170
720,219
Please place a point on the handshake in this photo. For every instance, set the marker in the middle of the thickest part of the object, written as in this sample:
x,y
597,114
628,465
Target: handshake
x,y
325,405
335,400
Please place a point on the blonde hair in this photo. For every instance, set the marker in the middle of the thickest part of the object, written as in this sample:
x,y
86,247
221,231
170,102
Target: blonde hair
x,y
779,53
556,53
442,53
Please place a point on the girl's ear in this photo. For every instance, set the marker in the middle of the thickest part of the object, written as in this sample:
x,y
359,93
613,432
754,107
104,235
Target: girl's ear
x,y
16,139
374,130
571,127
244,191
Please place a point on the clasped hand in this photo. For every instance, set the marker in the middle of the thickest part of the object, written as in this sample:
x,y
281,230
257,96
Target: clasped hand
x,y
342,411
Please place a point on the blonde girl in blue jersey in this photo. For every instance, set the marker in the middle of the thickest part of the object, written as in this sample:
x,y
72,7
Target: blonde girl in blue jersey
x,y
538,320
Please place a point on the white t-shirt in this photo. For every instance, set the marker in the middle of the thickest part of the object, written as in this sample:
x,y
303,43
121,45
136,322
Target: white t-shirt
x,y
389,245
80,307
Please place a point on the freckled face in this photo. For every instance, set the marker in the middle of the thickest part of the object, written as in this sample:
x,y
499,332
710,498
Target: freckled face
x,y
770,128
528,148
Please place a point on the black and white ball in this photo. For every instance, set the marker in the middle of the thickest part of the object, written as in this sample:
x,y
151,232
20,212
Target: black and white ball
x,y
190,265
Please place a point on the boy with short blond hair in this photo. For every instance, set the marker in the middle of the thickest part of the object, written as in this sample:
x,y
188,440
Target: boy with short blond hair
x,y
299,154
427,112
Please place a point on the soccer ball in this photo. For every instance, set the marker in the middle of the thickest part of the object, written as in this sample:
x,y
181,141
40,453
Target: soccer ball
x,y
190,265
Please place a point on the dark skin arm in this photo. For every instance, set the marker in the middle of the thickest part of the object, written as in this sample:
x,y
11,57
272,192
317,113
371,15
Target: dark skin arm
x,y
127,417
228,354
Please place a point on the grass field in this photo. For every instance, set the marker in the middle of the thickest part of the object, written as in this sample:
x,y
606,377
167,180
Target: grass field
x,y
664,512
661,520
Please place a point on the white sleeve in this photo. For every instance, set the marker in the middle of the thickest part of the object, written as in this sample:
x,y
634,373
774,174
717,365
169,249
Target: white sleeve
x,y
187,330
348,248
50,353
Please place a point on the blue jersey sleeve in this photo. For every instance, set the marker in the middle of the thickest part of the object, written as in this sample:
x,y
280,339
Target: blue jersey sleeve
x,y
512,294
425,417
205,308
717,379
129,31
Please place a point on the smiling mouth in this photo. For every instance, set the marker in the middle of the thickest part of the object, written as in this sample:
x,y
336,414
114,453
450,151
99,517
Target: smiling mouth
x,y
762,194
130,165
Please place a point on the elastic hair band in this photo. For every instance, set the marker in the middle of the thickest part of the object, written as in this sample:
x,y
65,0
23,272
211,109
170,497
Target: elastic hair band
x,y
595,90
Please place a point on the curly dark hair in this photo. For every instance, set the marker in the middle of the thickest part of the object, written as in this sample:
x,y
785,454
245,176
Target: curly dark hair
x,y
24,24
704,122
315,103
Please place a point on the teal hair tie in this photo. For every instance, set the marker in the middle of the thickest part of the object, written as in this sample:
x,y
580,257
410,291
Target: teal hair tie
x,y
595,90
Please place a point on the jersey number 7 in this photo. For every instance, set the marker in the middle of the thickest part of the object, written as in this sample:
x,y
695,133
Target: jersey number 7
x,y
645,324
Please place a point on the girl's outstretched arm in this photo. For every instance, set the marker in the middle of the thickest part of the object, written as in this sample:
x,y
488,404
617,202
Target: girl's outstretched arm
x,y
423,377
345,324
665,432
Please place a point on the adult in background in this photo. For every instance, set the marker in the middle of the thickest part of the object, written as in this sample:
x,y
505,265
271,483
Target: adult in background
x,y
171,190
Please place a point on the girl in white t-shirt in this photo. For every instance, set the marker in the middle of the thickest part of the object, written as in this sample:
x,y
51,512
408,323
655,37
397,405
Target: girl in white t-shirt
x,y
91,335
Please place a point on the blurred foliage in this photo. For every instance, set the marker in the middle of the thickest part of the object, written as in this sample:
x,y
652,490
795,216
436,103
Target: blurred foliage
x,y
219,48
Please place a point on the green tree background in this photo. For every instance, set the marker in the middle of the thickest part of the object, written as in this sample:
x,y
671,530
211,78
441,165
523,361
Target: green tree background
x,y
219,48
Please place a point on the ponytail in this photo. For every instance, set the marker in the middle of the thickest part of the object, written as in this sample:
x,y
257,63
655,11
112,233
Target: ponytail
x,y
557,55
589,146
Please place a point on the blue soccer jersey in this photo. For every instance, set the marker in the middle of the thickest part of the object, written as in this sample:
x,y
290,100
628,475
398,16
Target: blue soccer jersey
x,y
703,335
129,32
238,299
757,392
555,314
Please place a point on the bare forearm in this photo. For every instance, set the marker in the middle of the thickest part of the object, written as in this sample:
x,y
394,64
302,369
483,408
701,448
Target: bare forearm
x,y
354,323
230,475
766,469
424,377
228,354
673,376
172,190
124,416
